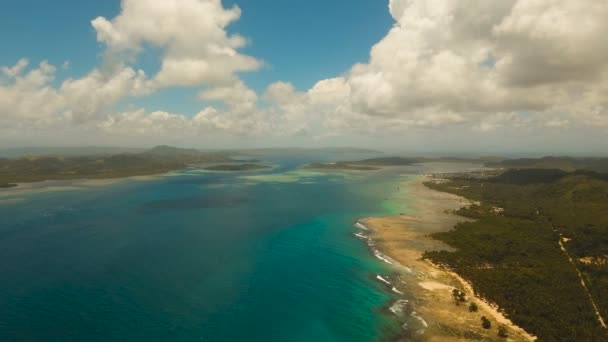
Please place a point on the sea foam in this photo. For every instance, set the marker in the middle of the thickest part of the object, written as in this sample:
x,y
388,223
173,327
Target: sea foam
x,y
396,291
383,257
361,226
399,307
361,236
383,280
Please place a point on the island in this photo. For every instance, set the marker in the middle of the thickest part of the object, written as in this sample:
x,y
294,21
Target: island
x,y
378,163
386,161
158,160
371,164
237,167
596,164
8,185
340,166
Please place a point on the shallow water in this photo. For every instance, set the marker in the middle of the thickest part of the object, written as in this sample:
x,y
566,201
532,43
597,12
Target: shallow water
x,y
262,256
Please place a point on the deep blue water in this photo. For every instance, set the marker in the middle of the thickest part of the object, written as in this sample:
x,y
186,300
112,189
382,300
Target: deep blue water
x,y
195,257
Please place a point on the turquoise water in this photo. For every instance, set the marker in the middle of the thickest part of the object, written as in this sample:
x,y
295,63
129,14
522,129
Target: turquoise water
x,y
264,256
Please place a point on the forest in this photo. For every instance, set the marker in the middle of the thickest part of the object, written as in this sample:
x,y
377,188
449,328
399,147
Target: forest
x,y
157,160
511,251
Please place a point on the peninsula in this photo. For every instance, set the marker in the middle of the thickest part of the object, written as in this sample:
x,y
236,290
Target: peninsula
x,y
524,248
536,246
237,167
341,166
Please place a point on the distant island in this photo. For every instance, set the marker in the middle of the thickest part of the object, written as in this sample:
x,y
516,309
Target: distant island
x,y
237,167
385,161
363,165
340,166
566,164
550,162
160,159
8,185
372,164
303,151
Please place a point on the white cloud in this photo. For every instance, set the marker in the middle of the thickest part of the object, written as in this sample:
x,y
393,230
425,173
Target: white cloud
x,y
16,69
196,48
451,61
196,51
457,67
237,96
31,96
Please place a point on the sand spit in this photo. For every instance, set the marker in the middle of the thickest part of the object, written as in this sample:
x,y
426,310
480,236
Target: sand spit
x,y
428,307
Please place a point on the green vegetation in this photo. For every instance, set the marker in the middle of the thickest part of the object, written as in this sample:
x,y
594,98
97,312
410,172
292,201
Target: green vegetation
x,y
366,164
561,163
386,161
158,160
8,185
237,167
511,250
459,296
363,165
558,166
485,322
473,307
502,332
379,162
340,166
65,151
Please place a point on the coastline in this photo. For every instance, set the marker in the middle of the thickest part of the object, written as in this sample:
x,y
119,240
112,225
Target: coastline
x,y
425,306
68,185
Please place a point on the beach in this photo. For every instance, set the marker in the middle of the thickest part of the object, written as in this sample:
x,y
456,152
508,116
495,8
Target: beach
x,y
427,307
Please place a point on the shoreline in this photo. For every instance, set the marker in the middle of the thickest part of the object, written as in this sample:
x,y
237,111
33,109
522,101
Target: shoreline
x,y
425,307
70,185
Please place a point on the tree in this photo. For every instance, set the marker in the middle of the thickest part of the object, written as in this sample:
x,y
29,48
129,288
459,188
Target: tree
x,y
485,322
458,296
502,332
473,307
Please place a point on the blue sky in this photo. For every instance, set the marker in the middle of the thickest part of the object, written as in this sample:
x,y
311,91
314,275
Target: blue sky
x,y
301,42
421,74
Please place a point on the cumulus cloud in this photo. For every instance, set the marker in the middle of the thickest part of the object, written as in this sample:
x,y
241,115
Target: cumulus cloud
x,y
238,97
16,69
196,51
551,41
478,66
192,34
482,64
31,96
455,66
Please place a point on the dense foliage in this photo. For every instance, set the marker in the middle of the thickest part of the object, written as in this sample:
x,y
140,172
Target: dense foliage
x,y
157,160
562,163
511,251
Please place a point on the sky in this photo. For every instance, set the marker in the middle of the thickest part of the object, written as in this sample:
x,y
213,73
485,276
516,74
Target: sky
x,y
409,75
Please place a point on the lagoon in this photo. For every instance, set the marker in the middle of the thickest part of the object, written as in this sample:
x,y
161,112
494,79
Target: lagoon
x,y
259,256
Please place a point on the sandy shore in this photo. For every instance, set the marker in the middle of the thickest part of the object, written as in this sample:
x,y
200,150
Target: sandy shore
x,y
7,196
427,306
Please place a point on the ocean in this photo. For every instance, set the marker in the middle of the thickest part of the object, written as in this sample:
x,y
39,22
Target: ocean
x,y
198,256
